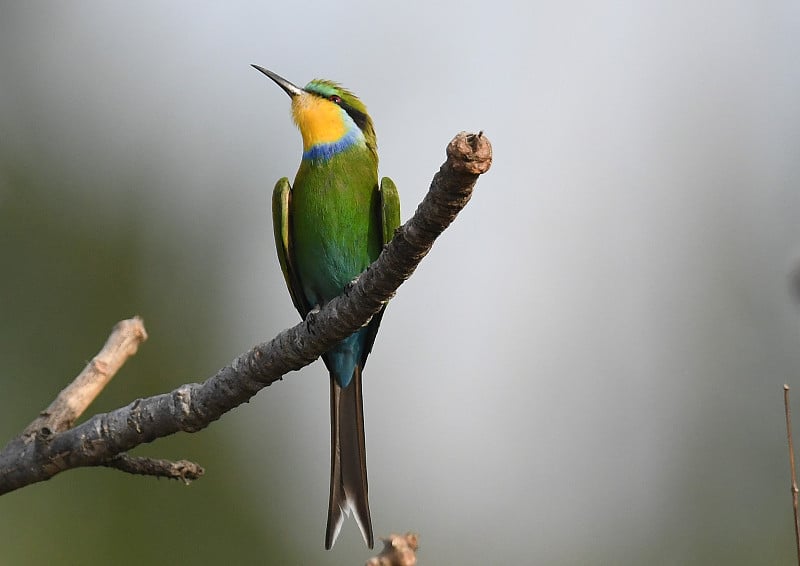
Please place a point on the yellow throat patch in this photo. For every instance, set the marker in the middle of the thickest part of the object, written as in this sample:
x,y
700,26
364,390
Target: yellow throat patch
x,y
320,121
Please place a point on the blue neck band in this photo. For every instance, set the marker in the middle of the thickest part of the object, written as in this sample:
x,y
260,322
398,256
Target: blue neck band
x,y
324,151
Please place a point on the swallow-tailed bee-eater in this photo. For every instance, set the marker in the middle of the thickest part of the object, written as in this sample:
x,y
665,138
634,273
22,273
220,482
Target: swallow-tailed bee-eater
x,y
329,226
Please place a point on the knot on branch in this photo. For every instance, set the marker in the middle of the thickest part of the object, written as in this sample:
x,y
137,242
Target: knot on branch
x,y
190,418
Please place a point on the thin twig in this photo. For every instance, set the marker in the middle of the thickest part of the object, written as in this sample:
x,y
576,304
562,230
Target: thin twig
x,y
189,408
76,397
788,412
183,470
398,550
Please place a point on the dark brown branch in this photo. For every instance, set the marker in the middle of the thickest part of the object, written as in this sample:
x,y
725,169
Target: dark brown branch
x,y
183,470
194,406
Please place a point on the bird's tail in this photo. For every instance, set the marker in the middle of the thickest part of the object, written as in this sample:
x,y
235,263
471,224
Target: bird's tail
x,y
348,461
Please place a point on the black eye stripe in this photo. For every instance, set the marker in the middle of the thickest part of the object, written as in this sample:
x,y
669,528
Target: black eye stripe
x,y
358,117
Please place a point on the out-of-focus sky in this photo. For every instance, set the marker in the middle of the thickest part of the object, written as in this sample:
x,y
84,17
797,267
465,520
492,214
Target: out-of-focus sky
x,y
587,368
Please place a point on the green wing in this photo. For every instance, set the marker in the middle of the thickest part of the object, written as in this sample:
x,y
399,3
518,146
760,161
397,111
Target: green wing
x,y
281,196
390,209
390,222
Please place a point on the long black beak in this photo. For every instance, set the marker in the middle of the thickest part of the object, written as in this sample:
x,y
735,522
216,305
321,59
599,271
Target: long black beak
x,y
288,87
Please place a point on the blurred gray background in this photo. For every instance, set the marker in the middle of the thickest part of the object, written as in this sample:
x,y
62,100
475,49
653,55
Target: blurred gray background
x,y
586,369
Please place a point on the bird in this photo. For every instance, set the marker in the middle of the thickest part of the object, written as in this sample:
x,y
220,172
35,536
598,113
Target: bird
x,y
329,226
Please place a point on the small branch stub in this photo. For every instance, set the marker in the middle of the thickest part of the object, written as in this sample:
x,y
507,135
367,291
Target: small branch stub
x,y
398,550
183,470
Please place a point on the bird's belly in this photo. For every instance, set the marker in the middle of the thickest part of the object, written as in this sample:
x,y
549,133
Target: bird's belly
x,y
333,245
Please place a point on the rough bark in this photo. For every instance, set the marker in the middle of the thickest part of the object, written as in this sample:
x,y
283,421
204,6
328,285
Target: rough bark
x,y
50,444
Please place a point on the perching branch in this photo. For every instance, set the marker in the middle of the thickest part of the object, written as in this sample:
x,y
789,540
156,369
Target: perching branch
x,y
39,454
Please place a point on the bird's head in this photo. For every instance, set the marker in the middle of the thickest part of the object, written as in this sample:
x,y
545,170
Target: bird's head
x,y
326,113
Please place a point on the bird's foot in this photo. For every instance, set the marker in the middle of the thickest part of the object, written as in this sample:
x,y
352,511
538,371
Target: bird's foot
x,y
351,284
311,318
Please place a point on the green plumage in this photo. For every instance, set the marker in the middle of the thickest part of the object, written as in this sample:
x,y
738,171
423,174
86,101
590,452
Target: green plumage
x,y
337,224
329,227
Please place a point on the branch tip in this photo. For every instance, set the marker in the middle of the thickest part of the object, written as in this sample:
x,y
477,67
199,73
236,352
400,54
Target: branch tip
x,y
398,550
470,153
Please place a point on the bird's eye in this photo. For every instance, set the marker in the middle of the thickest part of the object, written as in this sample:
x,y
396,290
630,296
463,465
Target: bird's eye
x,y
335,99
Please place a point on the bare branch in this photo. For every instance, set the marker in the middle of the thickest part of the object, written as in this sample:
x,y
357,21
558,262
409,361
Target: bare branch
x,y
183,470
74,399
193,406
398,550
788,412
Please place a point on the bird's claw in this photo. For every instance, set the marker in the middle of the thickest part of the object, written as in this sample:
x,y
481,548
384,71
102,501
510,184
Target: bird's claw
x,y
311,318
350,285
